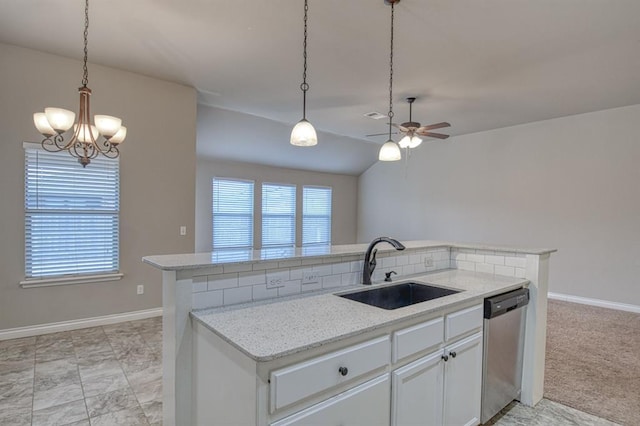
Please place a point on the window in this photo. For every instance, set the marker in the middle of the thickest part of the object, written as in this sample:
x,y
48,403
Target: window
x,y
233,215
316,215
278,215
71,215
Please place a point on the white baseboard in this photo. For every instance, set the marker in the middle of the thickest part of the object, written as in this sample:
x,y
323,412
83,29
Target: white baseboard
x,y
595,302
36,330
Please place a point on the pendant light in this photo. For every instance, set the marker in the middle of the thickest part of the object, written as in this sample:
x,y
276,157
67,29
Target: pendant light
x,y
303,134
84,143
390,151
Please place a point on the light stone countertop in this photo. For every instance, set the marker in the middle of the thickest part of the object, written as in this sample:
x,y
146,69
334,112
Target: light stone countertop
x,y
272,329
202,260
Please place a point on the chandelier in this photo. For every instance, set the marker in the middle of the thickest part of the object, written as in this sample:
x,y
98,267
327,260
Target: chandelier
x,y
390,151
303,134
84,141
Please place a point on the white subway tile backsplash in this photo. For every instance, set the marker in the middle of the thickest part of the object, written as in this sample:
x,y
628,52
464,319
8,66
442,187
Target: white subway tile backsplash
x,y
351,278
458,256
277,277
419,268
415,258
476,258
323,270
289,263
443,264
485,267
296,273
505,270
222,281
388,262
330,281
465,266
516,262
207,299
237,295
520,272
251,278
402,260
408,269
339,268
264,266
494,259
199,284
290,287
311,287
357,266
262,292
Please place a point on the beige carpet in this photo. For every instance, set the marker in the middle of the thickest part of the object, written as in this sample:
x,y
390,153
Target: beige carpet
x,y
593,361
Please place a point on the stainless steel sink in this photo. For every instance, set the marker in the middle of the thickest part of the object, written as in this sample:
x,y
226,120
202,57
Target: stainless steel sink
x,y
398,295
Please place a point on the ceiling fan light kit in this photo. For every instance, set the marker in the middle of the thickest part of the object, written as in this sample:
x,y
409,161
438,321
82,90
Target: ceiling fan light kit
x,y
303,133
85,142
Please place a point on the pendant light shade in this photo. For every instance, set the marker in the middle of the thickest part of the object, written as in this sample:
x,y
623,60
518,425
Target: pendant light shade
x,y
390,151
303,134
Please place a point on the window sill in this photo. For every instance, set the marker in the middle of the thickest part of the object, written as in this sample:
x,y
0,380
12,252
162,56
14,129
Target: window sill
x,y
82,279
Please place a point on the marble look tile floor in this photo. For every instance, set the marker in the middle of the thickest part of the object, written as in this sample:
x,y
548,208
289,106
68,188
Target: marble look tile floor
x,y
112,376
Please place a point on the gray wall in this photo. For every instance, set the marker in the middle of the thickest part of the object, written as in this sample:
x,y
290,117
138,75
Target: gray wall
x,y
157,181
571,183
344,196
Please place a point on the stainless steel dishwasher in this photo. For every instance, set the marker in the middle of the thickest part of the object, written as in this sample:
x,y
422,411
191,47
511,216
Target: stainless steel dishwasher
x,y
504,326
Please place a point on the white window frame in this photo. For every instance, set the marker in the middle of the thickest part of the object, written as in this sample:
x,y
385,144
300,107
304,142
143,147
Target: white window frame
x,y
240,250
32,209
329,217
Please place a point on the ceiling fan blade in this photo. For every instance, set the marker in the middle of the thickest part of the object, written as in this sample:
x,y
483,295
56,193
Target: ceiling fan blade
x,y
401,128
381,134
433,135
435,126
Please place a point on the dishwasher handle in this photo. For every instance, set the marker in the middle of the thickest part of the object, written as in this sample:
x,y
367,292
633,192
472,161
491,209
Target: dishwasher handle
x,y
506,302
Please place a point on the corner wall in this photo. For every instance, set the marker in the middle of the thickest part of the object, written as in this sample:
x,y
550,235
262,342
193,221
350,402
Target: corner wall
x,y
157,180
571,183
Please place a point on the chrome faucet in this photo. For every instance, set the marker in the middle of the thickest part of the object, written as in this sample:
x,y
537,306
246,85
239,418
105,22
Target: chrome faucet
x,y
370,257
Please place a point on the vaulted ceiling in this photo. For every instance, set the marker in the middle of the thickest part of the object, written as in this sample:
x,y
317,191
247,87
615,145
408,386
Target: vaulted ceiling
x,y
479,65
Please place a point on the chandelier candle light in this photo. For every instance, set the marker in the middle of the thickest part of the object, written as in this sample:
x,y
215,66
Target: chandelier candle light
x,y
390,151
303,134
85,142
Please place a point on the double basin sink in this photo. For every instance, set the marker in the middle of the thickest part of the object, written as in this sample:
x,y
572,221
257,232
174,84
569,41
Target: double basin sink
x,y
398,295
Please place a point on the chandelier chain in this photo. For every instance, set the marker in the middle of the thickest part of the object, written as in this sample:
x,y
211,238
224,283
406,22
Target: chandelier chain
x,y
85,74
304,86
390,114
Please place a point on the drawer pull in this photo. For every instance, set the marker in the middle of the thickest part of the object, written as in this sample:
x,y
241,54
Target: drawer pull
x,y
453,354
445,358
343,371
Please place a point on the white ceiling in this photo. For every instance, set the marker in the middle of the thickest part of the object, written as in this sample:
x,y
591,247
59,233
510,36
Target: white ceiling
x,y
479,65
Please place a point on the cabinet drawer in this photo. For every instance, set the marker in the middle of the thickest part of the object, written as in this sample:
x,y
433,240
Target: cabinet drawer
x,y
462,322
299,381
367,404
414,339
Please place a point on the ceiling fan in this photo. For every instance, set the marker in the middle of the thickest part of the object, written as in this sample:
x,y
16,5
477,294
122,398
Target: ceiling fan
x,y
411,129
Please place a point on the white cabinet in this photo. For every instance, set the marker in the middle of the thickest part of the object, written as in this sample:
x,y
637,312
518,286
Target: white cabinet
x,y
417,392
366,404
463,382
442,388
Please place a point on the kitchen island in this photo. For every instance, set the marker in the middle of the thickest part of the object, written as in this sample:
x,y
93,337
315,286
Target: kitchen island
x,y
239,360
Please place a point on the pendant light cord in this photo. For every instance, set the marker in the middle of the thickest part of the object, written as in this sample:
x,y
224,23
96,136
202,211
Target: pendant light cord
x,y
85,75
304,86
390,114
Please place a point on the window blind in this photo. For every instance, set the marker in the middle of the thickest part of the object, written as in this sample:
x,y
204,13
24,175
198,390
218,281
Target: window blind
x,y
71,215
232,214
316,215
278,215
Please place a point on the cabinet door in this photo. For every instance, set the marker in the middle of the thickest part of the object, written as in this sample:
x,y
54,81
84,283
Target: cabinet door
x,y
463,382
417,392
367,404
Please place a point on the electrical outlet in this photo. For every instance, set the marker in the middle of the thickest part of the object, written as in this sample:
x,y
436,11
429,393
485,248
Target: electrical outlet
x,y
310,277
183,230
428,262
274,283
140,289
